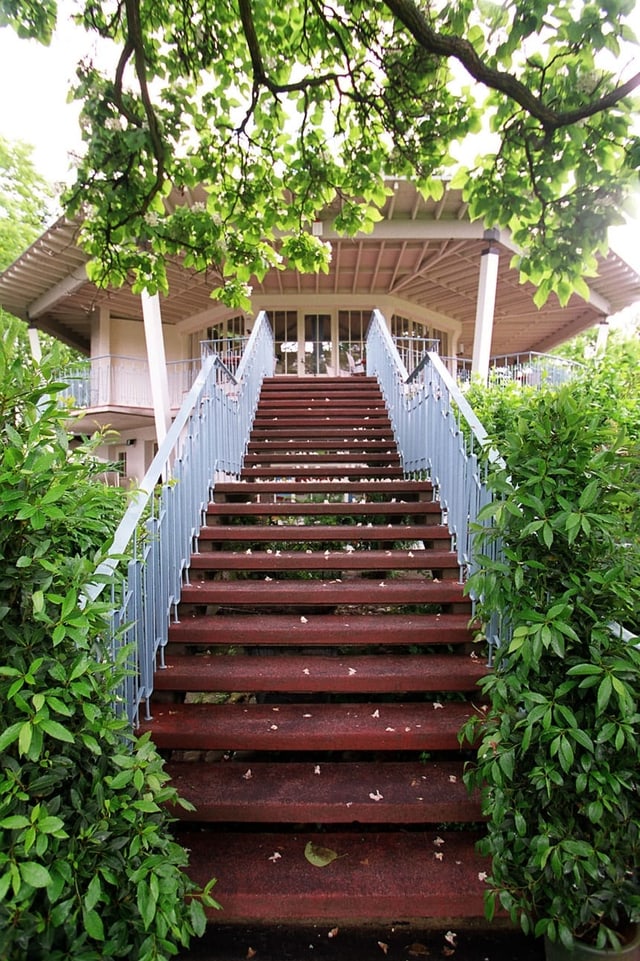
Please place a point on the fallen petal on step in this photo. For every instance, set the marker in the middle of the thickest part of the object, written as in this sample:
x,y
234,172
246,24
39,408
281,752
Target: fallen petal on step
x,y
376,796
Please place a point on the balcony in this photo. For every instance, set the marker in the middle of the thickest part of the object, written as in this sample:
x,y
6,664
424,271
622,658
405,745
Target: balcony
x,y
116,391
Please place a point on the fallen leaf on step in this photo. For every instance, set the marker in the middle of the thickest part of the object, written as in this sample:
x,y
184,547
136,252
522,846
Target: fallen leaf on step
x,y
451,937
251,953
303,620
352,671
383,946
437,706
438,842
276,856
247,775
318,856
305,670
333,933
316,769
376,713
438,855
376,796
417,950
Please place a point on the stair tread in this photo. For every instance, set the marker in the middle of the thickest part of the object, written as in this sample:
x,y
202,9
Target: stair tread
x,y
305,432
321,470
309,727
302,673
341,508
394,876
333,560
327,532
322,629
312,457
395,487
310,592
331,792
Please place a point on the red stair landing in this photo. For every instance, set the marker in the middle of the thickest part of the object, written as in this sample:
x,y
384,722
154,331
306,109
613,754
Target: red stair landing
x,y
318,677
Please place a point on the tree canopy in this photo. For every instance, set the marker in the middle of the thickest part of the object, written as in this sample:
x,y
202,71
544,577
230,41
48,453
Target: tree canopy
x,y
278,109
24,196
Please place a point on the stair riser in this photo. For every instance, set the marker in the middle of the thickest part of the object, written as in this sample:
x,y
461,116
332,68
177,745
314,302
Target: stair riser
x,y
291,674
314,593
331,793
318,631
337,562
352,509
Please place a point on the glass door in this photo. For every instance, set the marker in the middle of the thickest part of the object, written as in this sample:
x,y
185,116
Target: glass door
x,y
317,344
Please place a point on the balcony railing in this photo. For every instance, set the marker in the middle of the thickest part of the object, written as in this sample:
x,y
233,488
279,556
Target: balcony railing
x,y
115,381
529,370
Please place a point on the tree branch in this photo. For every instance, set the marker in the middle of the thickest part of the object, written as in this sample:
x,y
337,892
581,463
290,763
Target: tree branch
x,y
260,76
445,45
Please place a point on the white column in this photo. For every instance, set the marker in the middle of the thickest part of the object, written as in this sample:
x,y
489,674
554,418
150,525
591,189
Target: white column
x,y
602,338
157,362
34,342
487,285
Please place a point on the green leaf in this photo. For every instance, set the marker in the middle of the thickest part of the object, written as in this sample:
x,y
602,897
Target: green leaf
x,y
14,822
93,925
55,729
34,874
320,856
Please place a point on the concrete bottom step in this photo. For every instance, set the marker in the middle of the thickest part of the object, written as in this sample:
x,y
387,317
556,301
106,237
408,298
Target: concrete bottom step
x,y
399,876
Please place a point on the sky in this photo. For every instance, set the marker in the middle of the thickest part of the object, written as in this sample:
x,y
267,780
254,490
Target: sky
x,y
34,108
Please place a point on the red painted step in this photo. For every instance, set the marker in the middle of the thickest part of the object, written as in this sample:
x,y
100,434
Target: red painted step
x,y
384,876
349,509
373,560
305,792
329,457
300,673
322,470
346,720
427,726
321,630
348,533
312,593
396,488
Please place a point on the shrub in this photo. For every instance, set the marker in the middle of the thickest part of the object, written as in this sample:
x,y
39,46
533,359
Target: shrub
x,y
88,868
560,749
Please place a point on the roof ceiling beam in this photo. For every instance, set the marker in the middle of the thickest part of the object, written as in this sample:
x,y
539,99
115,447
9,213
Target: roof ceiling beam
x,y
52,297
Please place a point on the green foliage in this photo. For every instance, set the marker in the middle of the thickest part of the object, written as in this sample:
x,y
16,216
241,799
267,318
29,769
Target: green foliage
x,y
560,744
280,110
88,868
24,197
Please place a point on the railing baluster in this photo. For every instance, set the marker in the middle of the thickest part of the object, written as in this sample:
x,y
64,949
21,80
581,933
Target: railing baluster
x,y
207,434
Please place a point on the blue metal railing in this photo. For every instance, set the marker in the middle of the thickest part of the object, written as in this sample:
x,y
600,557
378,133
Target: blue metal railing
x,y
427,409
207,441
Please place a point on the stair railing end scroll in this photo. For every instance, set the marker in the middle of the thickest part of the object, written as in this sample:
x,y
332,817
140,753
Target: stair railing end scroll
x,y
427,411
159,530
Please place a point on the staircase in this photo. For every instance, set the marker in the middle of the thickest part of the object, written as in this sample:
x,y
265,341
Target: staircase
x,y
318,676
